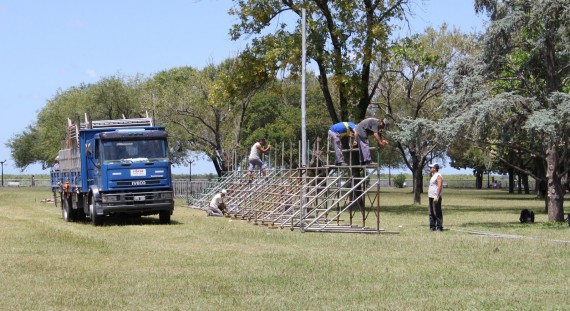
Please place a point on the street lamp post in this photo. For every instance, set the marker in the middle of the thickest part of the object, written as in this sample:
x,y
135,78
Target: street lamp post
x,y
191,177
189,192
3,172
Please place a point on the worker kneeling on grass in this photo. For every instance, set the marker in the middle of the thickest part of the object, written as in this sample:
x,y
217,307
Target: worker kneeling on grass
x,y
217,205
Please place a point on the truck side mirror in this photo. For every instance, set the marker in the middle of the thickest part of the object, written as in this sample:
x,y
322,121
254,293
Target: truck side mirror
x,y
88,149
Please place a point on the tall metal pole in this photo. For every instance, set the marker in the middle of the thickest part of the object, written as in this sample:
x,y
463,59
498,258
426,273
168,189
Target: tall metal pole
x,y
303,95
3,172
303,118
189,190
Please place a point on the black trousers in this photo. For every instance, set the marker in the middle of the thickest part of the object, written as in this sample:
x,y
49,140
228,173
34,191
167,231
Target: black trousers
x,y
435,215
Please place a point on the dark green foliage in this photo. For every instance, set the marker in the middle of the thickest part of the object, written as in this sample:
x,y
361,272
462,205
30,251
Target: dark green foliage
x,y
399,180
110,98
344,39
513,100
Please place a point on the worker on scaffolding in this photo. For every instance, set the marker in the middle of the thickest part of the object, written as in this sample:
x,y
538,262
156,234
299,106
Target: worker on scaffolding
x,y
336,133
217,206
255,158
370,126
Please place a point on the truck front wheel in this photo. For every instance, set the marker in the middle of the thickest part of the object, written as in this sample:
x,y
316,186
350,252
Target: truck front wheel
x,y
96,220
164,217
67,212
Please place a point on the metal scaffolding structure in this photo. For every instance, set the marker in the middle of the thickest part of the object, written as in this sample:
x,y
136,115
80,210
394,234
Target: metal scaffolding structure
x,y
313,199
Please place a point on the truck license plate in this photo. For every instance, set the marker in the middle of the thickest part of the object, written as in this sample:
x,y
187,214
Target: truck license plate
x,y
138,172
139,198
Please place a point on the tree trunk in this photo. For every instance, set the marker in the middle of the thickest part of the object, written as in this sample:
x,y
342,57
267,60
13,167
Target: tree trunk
x,y
217,166
556,191
478,179
510,171
541,183
525,183
421,184
324,84
356,174
418,184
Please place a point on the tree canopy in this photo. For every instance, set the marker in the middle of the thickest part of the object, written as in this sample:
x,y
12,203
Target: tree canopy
x,y
111,98
412,84
515,94
345,38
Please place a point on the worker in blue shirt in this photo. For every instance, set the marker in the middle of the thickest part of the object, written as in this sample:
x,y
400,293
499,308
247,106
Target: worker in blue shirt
x,y
336,133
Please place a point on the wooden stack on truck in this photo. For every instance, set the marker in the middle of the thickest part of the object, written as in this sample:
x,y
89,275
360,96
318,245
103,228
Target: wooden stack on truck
x,y
110,167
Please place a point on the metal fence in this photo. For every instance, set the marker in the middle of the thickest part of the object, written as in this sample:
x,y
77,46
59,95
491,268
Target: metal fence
x,y
182,188
462,184
185,188
26,182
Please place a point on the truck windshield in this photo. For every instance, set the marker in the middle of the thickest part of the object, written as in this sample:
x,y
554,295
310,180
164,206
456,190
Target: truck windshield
x,y
115,151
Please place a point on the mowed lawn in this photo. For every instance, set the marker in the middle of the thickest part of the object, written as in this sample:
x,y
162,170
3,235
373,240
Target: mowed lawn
x,y
209,263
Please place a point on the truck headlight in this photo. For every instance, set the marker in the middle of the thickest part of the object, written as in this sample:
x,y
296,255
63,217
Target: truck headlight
x,y
110,198
166,196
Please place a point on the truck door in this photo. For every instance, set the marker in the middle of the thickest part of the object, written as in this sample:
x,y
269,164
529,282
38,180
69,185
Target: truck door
x,y
94,164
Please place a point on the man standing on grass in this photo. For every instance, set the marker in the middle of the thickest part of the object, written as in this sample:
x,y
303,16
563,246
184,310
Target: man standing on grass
x,y
435,191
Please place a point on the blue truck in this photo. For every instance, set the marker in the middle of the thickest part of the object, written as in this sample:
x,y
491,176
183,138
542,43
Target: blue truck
x,y
114,167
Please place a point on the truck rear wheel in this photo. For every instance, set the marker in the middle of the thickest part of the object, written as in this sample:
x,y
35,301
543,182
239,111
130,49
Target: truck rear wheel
x,y
164,217
67,212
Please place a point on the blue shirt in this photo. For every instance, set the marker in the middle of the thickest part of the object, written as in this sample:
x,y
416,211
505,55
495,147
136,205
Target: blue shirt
x,y
342,128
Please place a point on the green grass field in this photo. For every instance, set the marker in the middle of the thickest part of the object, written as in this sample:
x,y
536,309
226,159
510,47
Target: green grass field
x,y
209,263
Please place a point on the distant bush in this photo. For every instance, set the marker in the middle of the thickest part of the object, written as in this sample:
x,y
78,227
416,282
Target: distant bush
x,y
399,180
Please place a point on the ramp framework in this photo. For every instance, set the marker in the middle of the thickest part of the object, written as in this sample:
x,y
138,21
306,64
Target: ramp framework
x,y
312,199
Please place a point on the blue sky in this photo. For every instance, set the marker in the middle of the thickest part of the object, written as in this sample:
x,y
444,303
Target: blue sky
x,y
48,46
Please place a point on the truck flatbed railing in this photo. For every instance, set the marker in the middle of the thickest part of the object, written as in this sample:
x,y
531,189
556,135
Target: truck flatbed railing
x,y
73,130
124,122
117,123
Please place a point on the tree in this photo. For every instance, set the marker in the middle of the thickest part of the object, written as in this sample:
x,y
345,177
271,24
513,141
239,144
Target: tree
x,y
206,109
24,147
517,90
467,155
412,84
344,39
111,98
114,97
276,114
182,100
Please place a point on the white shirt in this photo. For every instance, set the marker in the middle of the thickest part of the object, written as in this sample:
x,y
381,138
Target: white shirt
x,y
432,190
216,200
254,153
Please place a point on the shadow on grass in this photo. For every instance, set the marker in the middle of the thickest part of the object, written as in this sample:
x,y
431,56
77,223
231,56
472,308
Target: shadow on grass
x,y
130,220
401,209
451,209
494,225
500,195
513,197
491,209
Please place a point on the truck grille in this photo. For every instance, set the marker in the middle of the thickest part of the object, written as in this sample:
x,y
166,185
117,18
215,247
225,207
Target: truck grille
x,y
136,183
